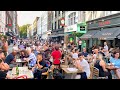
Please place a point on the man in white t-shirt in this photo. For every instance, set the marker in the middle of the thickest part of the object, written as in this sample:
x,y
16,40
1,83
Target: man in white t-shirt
x,y
83,65
105,48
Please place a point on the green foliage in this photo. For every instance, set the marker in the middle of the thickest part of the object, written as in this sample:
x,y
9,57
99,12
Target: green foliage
x,y
23,31
77,34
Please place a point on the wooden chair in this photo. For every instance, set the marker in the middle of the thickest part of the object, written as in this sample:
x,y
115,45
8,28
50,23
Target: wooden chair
x,y
91,70
45,73
96,74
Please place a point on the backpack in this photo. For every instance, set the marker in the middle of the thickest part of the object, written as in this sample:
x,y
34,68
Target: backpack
x,y
57,74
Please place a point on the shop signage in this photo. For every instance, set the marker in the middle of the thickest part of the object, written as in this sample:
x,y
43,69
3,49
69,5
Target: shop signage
x,y
82,28
104,34
71,28
62,21
104,22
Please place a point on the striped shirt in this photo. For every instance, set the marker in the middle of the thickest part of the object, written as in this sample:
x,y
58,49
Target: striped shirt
x,y
32,59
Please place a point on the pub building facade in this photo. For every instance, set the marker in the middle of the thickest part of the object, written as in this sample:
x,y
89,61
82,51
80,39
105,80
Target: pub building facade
x,y
57,34
103,29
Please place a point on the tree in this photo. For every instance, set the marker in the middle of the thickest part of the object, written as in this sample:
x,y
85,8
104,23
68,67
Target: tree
x,y
23,31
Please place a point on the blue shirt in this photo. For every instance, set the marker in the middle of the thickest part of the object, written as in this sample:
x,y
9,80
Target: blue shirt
x,y
32,59
115,61
85,54
9,58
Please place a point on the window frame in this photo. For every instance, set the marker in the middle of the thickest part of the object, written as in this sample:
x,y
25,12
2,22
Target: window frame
x,y
72,18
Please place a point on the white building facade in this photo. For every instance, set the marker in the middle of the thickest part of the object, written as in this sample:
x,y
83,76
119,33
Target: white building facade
x,y
2,22
14,28
42,25
71,19
39,27
91,15
103,22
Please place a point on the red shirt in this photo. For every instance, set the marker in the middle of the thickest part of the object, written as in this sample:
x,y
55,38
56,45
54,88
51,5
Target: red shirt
x,y
56,56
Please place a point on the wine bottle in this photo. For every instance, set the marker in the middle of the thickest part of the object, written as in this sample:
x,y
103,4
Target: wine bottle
x,y
17,70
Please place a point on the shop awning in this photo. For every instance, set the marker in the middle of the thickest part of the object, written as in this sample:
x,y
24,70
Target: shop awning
x,y
118,37
56,35
107,34
52,36
89,34
67,33
60,35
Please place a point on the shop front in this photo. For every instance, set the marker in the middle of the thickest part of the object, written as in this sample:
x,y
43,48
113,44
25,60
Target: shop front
x,y
57,35
104,29
81,28
69,37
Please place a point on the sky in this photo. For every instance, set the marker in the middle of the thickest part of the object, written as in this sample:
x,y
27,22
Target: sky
x,y
27,17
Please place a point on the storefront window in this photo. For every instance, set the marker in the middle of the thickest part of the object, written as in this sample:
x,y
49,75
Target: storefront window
x,y
55,14
72,18
94,41
63,13
71,21
55,25
59,13
58,24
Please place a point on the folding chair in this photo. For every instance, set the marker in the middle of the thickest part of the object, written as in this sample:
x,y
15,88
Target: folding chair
x,y
96,74
91,70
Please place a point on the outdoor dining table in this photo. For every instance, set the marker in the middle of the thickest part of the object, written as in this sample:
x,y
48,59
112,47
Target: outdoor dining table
x,y
22,71
114,68
20,61
64,66
70,73
111,67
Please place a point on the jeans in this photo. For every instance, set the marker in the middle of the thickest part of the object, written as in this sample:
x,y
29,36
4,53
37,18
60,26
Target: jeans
x,y
38,73
83,75
79,48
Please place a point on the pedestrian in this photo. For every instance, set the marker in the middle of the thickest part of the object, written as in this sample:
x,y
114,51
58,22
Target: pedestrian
x,y
56,55
79,44
62,42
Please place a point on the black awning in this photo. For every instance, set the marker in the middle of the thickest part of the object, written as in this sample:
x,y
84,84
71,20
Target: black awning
x,y
53,36
89,34
9,34
118,36
56,35
108,33
60,35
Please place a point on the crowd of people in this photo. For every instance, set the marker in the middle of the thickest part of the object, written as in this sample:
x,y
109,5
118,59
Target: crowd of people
x,y
44,56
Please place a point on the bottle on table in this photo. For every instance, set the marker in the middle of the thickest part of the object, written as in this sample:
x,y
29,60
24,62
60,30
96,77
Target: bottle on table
x,y
17,70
